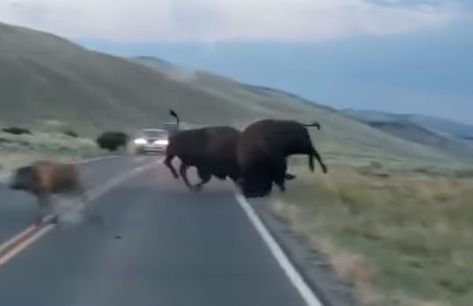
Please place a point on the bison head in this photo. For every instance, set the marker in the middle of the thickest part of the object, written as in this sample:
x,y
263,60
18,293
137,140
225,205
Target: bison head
x,y
23,179
255,184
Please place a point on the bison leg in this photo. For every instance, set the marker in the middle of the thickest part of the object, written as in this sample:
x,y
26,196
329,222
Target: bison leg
x,y
44,202
84,201
168,163
278,170
183,172
319,159
205,177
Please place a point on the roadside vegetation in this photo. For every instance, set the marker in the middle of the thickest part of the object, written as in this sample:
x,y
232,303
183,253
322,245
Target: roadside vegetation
x,y
18,150
401,235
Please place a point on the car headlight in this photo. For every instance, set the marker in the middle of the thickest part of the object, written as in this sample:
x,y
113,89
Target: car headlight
x,y
140,141
162,142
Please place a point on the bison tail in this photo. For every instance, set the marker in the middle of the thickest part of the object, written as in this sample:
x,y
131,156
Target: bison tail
x,y
313,124
174,114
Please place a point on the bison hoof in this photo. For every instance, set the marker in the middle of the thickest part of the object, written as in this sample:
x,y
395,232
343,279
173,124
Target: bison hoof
x,y
290,177
38,221
197,188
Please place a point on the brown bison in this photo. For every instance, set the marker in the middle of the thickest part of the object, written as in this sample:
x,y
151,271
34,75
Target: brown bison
x,y
44,178
263,150
212,150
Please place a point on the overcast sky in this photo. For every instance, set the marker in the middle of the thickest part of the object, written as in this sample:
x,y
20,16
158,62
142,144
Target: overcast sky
x,y
396,55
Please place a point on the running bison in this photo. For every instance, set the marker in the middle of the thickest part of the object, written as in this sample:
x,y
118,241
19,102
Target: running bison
x,y
212,150
45,178
112,141
263,150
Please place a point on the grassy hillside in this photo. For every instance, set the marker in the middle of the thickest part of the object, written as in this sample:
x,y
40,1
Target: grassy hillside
x,y
46,78
441,126
400,204
447,136
341,139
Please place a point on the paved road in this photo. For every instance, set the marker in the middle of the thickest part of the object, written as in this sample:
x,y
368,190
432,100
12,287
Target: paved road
x,y
157,244
19,209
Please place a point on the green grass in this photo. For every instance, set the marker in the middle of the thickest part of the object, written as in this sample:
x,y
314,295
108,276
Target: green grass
x,y
18,150
411,230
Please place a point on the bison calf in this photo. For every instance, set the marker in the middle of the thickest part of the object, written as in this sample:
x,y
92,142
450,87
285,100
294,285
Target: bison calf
x,y
44,178
263,150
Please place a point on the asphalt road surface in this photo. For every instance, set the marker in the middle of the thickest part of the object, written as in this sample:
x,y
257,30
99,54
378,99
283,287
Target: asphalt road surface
x,y
154,243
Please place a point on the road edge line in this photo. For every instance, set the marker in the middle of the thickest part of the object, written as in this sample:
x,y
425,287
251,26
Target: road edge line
x,y
281,257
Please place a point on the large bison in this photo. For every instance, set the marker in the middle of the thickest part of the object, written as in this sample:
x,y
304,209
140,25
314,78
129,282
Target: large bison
x,y
263,150
112,141
212,150
45,178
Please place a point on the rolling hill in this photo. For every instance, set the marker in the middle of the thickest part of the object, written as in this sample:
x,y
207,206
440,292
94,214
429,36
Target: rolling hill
x,y
46,78
441,126
443,135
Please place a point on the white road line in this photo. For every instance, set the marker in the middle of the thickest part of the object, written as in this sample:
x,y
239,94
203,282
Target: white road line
x,y
291,272
24,239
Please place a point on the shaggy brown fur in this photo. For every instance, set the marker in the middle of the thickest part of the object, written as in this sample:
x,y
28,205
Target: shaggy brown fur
x,y
44,178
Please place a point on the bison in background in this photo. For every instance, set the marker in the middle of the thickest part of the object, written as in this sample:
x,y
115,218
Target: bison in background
x,y
112,141
44,178
212,150
16,131
263,150
70,133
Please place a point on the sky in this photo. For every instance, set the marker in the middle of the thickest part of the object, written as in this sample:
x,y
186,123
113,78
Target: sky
x,y
403,56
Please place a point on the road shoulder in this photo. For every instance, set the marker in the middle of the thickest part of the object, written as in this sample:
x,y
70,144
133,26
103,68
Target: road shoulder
x,y
313,266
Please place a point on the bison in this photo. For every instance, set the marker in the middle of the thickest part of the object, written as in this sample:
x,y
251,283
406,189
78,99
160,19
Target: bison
x,y
45,178
16,130
212,150
70,133
262,154
112,141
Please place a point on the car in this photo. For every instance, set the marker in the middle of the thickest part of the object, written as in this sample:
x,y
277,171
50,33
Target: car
x,y
151,141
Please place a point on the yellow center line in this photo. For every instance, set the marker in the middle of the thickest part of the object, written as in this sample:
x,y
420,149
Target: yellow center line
x,y
15,239
23,244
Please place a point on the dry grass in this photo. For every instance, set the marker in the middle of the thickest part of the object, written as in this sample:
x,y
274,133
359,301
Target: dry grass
x,y
400,236
20,150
